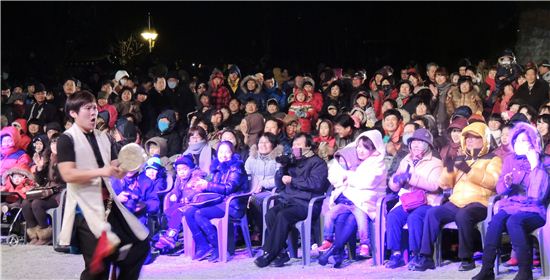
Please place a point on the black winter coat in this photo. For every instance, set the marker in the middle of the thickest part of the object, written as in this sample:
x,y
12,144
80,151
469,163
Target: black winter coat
x,y
538,95
309,179
229,178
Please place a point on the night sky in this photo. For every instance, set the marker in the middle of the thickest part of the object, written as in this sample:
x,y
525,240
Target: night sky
x,y
44,38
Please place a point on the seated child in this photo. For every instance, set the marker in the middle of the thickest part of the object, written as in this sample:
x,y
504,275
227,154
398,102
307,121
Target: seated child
x,y
138,193
182,193
18,179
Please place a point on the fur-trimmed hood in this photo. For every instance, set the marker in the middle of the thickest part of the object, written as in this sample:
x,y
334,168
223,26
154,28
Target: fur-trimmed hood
x,y
18,169
159,141
277,151
308,80
258,88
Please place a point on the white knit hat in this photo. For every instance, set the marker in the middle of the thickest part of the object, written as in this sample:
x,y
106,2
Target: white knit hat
x,y
121,74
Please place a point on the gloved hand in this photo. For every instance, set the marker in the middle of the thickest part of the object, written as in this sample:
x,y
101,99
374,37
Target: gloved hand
x,y
463,166
300,114
449,163
401,179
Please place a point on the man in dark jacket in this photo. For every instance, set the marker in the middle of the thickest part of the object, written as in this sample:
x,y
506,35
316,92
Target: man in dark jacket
x,y
165,128
297,184
40,109
534,91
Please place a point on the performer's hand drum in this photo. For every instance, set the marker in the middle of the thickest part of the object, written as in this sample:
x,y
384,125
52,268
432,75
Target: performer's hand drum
x,y
131,157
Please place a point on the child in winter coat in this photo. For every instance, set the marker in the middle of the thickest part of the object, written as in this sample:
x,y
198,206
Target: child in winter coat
x,y
19,179
182,193
325,140
11,153
301,106
138,192
157,146
359,179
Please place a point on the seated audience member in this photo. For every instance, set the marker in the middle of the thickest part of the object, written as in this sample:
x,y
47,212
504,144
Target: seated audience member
x,y
523,184
180,196
298,184
472,178
359,179
261,166
417,177
138,193
196,145
34,210
12,154
228,177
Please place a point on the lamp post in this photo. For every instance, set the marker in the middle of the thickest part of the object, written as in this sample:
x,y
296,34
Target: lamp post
x,y
149,35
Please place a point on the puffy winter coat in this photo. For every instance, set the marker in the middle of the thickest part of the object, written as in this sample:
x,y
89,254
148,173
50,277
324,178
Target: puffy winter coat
x,y
257,94
455,99
13,156
144,189
261,169
368,182
424,175
309,179
173,139
479,183
229,178
534,196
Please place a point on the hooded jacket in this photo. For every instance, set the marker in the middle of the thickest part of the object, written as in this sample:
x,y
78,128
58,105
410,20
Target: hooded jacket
x,y
144,189
261,169
26,185
368,182
162,144
479,183
257,94
316,97
278,95
304,110
173,140
220,94
25,139
12,156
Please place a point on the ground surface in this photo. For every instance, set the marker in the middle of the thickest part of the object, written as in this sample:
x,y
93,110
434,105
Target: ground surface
x,y
39,262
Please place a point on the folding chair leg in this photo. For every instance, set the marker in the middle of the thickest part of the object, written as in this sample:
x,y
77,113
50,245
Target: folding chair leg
x,y
246,235
188,241
223,232
306,243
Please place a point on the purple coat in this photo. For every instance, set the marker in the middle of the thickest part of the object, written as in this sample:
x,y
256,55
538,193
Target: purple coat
x,y
534,196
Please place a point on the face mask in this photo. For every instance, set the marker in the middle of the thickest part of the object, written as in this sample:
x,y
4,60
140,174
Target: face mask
x,y
163,126
172,85
405,138
122,82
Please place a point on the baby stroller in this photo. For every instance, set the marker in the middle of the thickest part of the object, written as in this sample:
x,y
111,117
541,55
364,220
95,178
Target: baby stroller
x,y
13,226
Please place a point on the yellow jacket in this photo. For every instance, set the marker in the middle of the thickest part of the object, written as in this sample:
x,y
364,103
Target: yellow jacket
x,y
478,184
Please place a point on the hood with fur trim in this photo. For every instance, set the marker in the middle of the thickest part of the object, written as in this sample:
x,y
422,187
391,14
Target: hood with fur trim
x,y
277,151
309,80
159,141
23,124
480,129
13,132
258,88
22,169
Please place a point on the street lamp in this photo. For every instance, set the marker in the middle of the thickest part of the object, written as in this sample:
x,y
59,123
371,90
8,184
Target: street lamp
x,y
149,35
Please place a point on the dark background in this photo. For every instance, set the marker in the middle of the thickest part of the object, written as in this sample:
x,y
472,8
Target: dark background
x,y
47,40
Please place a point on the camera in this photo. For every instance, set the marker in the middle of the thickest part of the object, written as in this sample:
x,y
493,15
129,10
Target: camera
x,y
286,160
